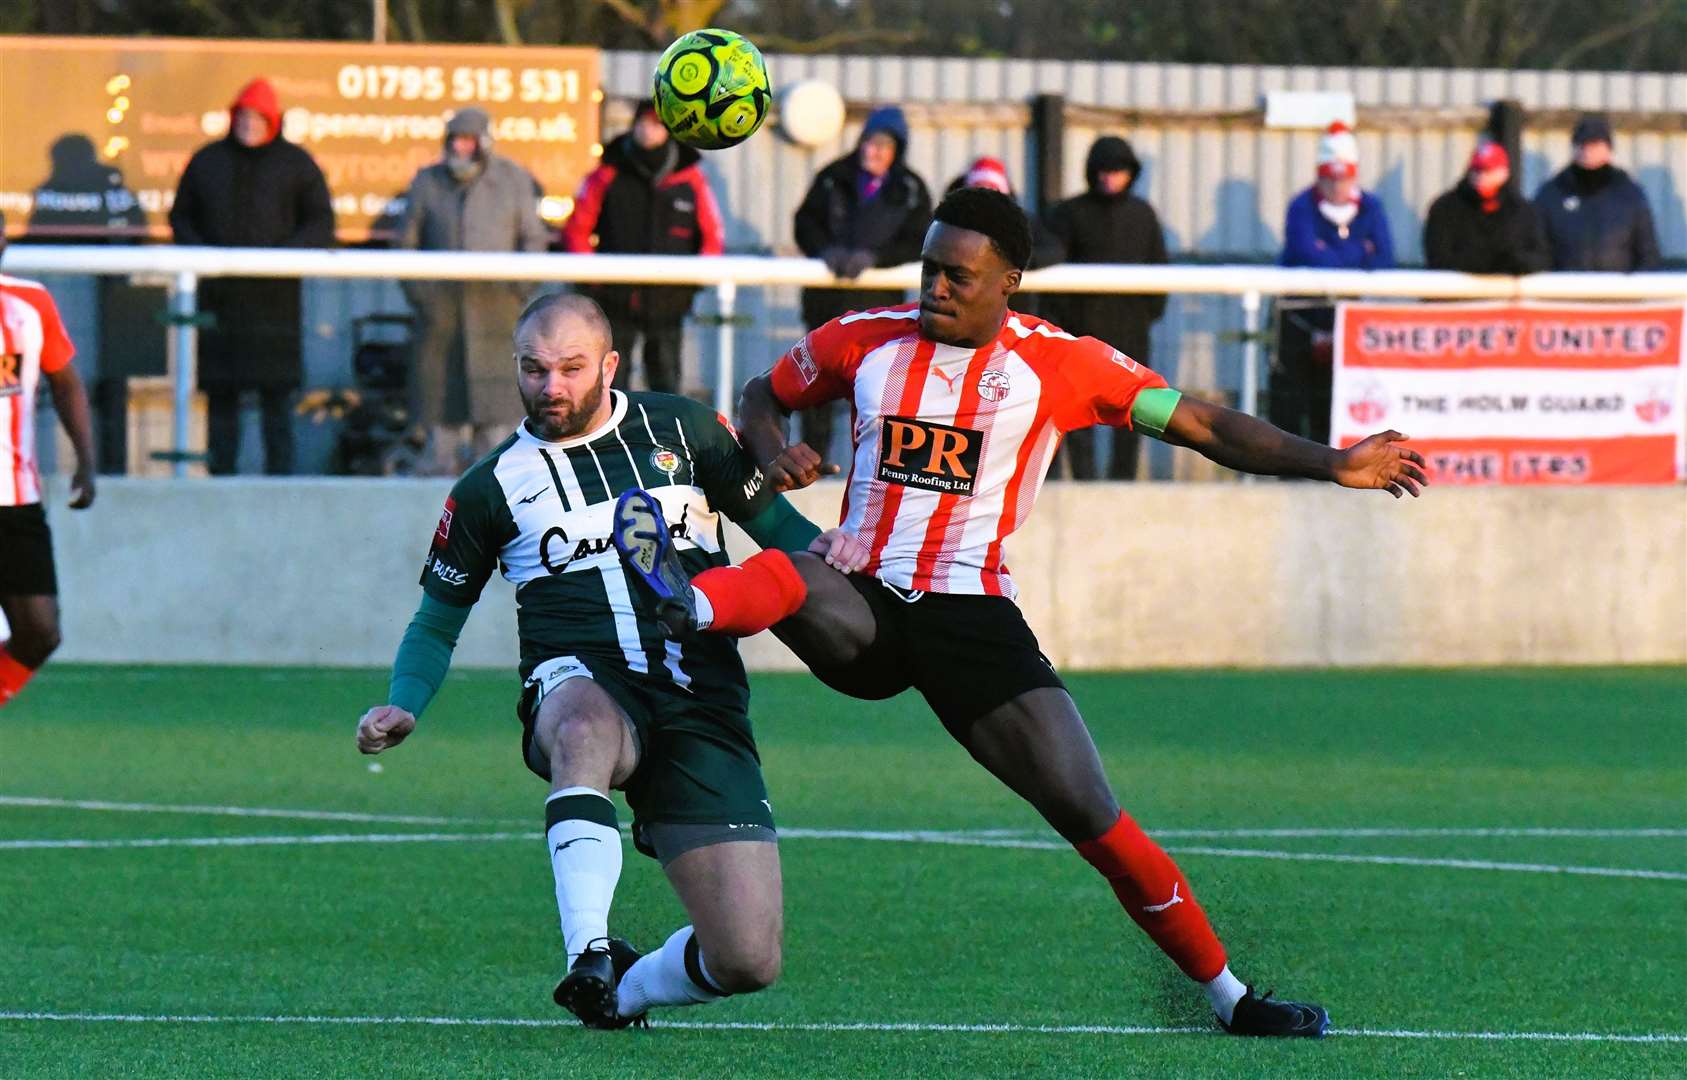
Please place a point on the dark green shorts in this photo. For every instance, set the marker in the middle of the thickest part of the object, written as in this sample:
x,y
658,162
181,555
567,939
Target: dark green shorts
x,y
697,766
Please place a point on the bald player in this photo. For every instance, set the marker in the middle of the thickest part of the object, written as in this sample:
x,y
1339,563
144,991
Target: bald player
x,y
607,701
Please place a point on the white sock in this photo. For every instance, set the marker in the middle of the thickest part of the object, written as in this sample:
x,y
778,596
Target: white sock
x,y
585,849
660,978
1224,991
705,610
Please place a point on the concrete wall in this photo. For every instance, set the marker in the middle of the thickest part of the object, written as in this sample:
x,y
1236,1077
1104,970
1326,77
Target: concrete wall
x,y
323,572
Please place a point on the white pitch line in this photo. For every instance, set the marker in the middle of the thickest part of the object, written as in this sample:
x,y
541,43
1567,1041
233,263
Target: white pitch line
x,y
1450,864
1367,833
845,1026
934,836
1011,837
268,841
246,811
804,834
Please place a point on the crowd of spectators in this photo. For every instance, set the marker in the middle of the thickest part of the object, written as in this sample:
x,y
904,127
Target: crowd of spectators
x,y
866,209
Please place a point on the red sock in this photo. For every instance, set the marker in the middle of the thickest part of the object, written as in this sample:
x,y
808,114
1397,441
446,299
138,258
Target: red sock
x,y
1143,876
752,596
12,675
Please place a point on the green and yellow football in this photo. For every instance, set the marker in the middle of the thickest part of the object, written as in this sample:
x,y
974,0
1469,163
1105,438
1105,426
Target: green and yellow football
x,y
712,90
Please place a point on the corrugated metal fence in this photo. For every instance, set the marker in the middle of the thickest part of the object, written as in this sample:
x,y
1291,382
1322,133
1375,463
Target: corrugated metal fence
x,y
1219,180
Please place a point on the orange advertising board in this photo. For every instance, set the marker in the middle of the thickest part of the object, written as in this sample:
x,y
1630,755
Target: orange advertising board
x,y
97,131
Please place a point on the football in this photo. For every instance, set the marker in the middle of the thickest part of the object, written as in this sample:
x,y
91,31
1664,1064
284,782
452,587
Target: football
x,y
711,89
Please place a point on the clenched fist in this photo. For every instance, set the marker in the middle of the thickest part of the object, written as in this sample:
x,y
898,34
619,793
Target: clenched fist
x,y
382,728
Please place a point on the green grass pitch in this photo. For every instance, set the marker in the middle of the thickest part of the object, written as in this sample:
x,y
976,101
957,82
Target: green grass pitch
x,y
1484,787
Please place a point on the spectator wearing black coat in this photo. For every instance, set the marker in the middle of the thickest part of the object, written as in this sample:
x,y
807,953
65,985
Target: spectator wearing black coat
x,y
1107,224
252,189
648,197
863,210
1595,215
1483,226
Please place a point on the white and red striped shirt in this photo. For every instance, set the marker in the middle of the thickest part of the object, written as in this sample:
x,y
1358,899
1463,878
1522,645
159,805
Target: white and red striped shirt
x,y
952,444
32,343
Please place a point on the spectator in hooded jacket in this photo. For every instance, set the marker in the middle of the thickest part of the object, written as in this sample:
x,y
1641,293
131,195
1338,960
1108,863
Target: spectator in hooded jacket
x,y
463,397
252,188
865,209
1483,226
1107,224
1596,216
648,197
1334,224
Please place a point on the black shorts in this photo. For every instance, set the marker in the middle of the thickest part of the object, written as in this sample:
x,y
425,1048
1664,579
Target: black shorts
x,y
698,780
965,654
26,552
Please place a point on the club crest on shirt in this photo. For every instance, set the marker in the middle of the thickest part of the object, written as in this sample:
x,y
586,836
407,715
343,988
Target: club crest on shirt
x,y
665,460
994,386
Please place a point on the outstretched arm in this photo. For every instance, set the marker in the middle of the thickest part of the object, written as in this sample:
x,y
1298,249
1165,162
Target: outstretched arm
x,y
1239,441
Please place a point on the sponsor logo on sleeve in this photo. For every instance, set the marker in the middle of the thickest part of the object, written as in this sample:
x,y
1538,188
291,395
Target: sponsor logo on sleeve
x,y
916,453
754,484
805,362
442,531
727,424
445,572
1124,361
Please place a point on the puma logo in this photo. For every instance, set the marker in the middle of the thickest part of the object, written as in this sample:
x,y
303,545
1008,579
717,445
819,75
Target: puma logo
x,y
948,381
576,840
533,496
1176,899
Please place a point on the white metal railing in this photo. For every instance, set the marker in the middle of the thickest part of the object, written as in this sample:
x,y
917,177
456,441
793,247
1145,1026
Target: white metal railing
x,y
184,266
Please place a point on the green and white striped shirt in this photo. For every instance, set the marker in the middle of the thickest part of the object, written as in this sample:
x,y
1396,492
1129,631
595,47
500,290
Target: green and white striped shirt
x,y
541,513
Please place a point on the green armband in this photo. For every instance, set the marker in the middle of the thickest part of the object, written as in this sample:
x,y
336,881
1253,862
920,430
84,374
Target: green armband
x,y
1152,410
780,526
425,654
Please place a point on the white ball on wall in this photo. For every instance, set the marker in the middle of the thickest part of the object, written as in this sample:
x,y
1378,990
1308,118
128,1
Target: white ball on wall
x,y
811,112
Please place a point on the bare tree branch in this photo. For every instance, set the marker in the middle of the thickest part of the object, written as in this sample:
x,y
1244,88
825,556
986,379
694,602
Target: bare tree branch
x,y
781,43
1652,14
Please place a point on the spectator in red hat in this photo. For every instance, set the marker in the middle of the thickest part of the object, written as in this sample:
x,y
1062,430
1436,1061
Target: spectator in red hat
x,y
991,173
1482,226
1335,224
986,172
252,188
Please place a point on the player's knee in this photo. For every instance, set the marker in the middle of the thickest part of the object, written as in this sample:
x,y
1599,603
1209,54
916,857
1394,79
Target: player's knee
x,y
746,970
586,733
834,614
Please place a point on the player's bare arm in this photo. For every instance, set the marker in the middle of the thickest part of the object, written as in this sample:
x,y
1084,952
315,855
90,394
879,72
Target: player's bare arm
x,y
70,401
786,466
1239,441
